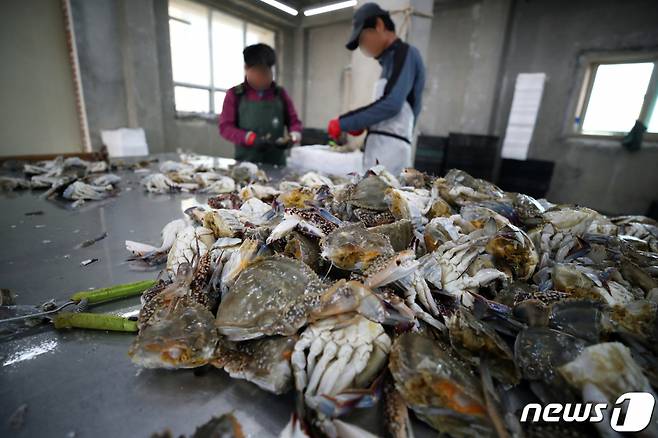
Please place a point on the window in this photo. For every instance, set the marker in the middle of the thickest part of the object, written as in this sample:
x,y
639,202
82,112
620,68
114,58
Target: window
x,y
616,92
206,54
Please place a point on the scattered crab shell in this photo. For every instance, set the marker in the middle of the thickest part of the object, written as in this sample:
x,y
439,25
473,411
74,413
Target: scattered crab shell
x,y
400,233
258,191
223,184
148,252
297,197
474,341
81,191
373,218
223,223
159,183
353,247
264,362
411,205
584,282
313,179
539,352
513,246
385,175
313,222
176,331
224,426
250,251
106,180
270,297
8,183
189,246
439,231
255,211
303,248
244,172
368,193
411,177
459,188
438,386
609,367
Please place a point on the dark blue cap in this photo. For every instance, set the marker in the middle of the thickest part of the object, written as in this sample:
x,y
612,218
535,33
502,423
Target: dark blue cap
x,y
367,10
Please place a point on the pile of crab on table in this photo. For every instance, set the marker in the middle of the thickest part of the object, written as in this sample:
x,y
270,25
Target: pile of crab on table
x,y
446,299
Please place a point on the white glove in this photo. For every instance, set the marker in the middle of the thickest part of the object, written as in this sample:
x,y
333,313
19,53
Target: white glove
x,y
296,137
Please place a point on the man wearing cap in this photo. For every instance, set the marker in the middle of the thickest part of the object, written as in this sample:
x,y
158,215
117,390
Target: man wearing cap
x,y
391,117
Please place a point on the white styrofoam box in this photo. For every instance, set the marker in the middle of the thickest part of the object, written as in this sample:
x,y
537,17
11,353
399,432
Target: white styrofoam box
x,y
125,142
321,159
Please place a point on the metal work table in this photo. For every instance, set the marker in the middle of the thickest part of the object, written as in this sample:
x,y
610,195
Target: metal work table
x,y
82,383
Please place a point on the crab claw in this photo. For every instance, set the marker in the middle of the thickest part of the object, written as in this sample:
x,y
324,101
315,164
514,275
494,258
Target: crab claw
x,y
350,296
392,269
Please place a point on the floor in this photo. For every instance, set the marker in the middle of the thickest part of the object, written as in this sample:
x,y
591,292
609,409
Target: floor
x,y
82,383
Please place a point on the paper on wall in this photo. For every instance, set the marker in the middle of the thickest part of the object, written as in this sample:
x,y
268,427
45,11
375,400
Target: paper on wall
x,y
523,115
125,142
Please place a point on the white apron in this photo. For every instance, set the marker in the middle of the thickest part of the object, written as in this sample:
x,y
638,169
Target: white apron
x,y
391,152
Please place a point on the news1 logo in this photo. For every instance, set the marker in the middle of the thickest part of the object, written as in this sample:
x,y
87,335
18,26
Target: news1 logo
x,y
638,413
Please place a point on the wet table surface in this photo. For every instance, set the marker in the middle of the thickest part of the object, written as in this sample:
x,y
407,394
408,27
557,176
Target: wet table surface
x,y
82,383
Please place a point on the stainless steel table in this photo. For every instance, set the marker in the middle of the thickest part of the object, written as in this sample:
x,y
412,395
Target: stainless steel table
x,y
82,383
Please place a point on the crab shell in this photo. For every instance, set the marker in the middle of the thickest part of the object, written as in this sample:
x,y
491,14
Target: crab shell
x,y
400,233
609,367
296,197
353,247
438,386
303,248
270,297
179,335
222,223
472,338
514,247
264,362
368,193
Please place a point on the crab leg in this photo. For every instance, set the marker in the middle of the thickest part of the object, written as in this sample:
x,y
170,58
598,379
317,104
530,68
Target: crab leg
x,y
328,355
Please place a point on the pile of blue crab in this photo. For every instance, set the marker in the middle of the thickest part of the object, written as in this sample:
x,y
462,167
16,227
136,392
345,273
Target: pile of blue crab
x,y
446,299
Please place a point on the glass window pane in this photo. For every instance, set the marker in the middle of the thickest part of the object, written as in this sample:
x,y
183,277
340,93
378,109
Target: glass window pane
x,y
227,45
219,101
257,34
617,97
188,34
653,121
191,100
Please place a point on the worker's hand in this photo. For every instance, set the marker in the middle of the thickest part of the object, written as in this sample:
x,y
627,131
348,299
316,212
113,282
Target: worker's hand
x,y
284,142
296,137
257,141
333,129
356,133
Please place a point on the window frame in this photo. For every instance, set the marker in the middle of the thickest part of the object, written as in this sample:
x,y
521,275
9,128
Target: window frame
x,y
211,89
591,64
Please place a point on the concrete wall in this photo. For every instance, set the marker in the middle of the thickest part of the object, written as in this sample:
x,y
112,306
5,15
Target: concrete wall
x,y
37,108
462,64
327,73
550,36
125,64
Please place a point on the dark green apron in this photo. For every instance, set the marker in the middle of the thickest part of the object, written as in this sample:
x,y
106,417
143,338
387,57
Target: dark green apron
x,y
262,117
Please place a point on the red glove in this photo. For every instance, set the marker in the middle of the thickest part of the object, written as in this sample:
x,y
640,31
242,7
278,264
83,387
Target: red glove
x,y
250,138
333,129
356,133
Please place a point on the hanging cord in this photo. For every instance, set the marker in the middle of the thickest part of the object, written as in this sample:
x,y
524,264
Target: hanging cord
x,y
408,12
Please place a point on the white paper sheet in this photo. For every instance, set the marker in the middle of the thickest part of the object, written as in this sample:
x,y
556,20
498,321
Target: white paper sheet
x,y
523,115
125,142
